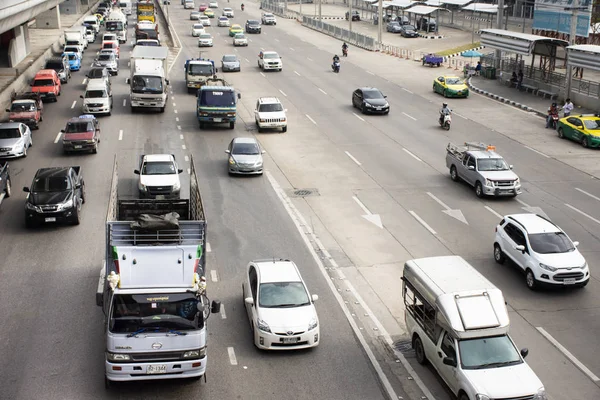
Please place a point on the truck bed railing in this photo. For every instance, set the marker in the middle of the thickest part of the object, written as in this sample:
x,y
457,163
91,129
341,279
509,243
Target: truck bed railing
x,y
458,151
189,233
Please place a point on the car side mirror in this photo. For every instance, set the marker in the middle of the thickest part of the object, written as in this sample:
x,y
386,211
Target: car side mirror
x,y
575,244
262,152
385,97
227,152
7,110
78,186
216,69
81,96
239,95
511,166
215,306
285,110
136,171
520,248
179,171
471,167
315,297
167,81
26,189
249,301
449,361
524,352
62,131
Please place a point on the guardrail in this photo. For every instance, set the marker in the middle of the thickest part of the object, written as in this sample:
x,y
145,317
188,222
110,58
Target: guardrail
x,y
356,39
279,11
167,21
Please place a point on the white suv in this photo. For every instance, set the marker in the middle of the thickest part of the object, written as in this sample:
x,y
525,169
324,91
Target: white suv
x,y
270,114
280,309
542,250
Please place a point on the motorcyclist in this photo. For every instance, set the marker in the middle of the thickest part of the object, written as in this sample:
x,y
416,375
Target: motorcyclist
x,y
445,110
336,59
242,6
345,49
552,112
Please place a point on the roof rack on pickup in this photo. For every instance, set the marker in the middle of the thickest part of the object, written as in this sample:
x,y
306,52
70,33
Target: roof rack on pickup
x,y
458,151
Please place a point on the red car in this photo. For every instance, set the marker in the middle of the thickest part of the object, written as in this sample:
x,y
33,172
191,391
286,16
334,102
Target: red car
x,y
203,7
81,134
26,108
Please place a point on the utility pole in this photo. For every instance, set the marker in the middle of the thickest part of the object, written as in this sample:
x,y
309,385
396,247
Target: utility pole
x,y
499,20
301,18
572,42
320,1
350,15
380,23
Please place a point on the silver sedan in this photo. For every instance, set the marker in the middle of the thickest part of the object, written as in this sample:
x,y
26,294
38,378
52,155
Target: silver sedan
x,y
245,156
230,62
15,139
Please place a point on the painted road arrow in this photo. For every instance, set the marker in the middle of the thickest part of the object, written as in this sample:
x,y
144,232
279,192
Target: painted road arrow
x,y
531,209
369,216
457,214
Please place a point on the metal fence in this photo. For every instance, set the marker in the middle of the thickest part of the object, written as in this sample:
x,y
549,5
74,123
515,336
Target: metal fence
x,y
356,39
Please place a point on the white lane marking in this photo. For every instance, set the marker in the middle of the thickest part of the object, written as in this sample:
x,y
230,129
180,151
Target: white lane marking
x,y
322,91
309,59
369,72
411,154
213,275
352,158
57,137
175,111
84,81
277,40
172,97
406,90
125,81
183,146
174,105
589,194
521,202
208,248
311,120
223,315
490,209
186,158
462,116
536,151
232,358
430,229
129,62
361,205
582,213
358,116
247,60
177,119
179,127
73,105
282,92
189,171
181,136
296,72
305,231
409,116
441,203
120,134
262,75
292,49
568,354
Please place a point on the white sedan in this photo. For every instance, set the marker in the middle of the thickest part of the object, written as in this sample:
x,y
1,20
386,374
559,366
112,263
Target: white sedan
x,y
213,4
240,40
223,21
204,20
280,309
197,30
205,40
228,12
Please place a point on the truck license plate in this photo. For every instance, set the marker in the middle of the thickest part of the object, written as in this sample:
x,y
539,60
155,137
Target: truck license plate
x,y
50,219
77,146
156,369
290,340
569,281
217,119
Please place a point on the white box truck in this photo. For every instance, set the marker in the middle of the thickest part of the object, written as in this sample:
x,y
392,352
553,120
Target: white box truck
x,y
76,37
152,288
458,322
117,23
148,80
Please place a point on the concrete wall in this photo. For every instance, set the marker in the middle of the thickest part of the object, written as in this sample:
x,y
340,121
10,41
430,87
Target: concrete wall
x,y
49,19
19,46
70,7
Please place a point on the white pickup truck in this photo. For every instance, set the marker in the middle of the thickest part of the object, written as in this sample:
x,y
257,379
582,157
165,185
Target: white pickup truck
x,y
481,167
159,176
269,60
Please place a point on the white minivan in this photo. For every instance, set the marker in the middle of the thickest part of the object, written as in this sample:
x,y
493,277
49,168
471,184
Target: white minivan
x,y
92,20
125,6
97,98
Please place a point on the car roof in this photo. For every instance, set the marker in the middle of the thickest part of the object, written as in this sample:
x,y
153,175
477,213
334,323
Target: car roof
x,y
9,125
277,271
534,223
369,89
76,120
45,73
96,84
158,157
268,100
245,140
23,101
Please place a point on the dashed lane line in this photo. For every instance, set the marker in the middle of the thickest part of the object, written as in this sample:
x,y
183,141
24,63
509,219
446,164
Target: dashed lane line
x,y
84,81
409,116
263,75
358,116
490,209
73,105
232,359
247,60
322,91
582,213
406,90
179,127
282,92
296,72
538,152
120,134
208,248
223,315
311,120
370,73
183,146
422,222
588,194
181,135
411,154
186,158
177,119
124,102
353,158
175,111
57,137
213,275
292,49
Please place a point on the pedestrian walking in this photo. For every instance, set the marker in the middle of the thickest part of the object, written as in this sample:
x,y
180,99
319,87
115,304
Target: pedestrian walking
x,y
568,107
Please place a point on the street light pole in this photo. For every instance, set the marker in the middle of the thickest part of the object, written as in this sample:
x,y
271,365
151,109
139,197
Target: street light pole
x,y
499,20
572,42
380,19
320,1
350,15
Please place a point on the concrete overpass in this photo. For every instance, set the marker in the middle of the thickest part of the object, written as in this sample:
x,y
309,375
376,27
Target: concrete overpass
x,y
16,16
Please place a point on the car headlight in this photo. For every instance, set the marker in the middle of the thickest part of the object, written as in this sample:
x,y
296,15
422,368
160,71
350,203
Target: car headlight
x,y
262,326
584,266
313,323
489,183
481,397
231,161
177,186
65,205
142,187
540,395
117,356
518,181
547,267
201,352
258,163
368,105
32,207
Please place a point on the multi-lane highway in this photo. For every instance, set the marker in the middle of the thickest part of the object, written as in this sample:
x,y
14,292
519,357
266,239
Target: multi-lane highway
x,y
393,165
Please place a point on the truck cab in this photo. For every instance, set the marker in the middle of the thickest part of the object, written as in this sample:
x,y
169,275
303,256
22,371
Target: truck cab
x,y
47,83
81,134
159,176
216,103
26,108
197,71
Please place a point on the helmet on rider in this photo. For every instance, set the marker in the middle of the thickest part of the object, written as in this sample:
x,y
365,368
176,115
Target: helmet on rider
x,y
554,104
444,105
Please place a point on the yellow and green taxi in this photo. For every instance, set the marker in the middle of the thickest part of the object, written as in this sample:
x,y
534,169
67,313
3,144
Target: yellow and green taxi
x,y
235,28
584,129
450,86
209,13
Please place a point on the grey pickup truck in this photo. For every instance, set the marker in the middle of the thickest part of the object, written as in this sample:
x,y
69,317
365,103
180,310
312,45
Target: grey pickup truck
x,y
480,166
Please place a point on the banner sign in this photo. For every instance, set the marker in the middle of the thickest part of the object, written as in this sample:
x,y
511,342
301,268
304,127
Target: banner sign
x,y
550,15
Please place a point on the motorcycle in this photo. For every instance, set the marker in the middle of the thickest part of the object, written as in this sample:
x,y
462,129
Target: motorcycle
x,y
336,66
344,52
242,7
554,121
445,122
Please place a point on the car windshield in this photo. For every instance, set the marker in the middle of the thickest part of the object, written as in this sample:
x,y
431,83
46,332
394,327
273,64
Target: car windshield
x,y
394,23
270,55
198,26
10,133
372,94
488,352
51,184
147,84
245,149
114,26
253,22
137,313
282,294
93,94
21,107
550,243
492,164
240,36
273,107
78,127
223,19
205,36
109,46
195,14
106,57
409,28
96,73
268,15
201,69
227,9
453,81
72,57
593,124
43,82
216,98
158,168
229,58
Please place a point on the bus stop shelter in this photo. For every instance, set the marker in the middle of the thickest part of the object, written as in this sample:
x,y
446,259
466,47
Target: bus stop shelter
x,y
423,11
584,56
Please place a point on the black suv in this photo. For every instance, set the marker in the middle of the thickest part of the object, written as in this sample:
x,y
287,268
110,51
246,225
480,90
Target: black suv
x,y
61,65
355,15
253,26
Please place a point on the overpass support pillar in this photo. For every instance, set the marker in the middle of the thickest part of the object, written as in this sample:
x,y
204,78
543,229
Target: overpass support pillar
x,y
18,45
70,7
48,19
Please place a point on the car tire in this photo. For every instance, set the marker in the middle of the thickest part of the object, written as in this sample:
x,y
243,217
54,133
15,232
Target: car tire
x,y
260,130
201,125
454,174
8,189
434,91
107,383
530,280
561,134
25,151
499,255
444,93
29,223
479,189
41,118
363,109
584,142
419,350
231,125
463,397
284,129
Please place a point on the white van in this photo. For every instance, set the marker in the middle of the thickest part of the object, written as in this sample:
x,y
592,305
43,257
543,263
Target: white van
x,y
92,21
97,98
458,321
125,7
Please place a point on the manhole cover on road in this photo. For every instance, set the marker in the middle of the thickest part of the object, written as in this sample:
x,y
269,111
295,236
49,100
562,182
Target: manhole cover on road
x,y
404,346
303,192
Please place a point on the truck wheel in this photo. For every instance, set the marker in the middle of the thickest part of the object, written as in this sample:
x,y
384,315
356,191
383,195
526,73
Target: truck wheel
x,y
201,125
419,351
284,129
106,383
478,189
162,109
454,174
231,125
8,190
499,256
